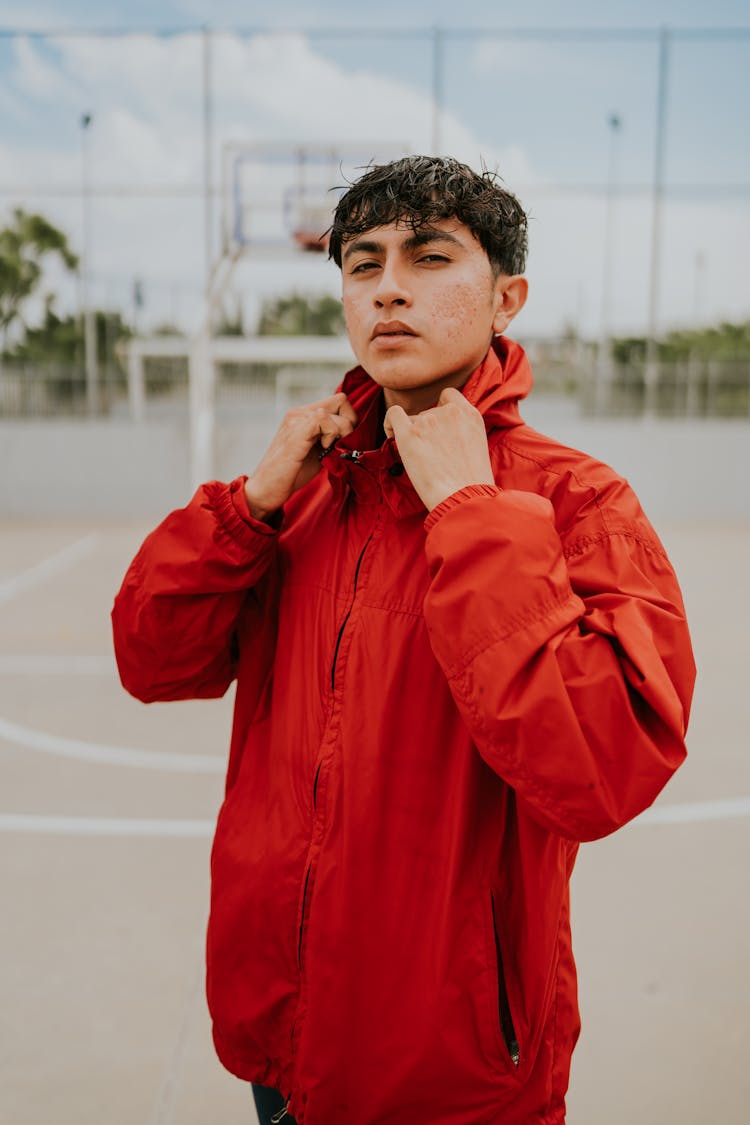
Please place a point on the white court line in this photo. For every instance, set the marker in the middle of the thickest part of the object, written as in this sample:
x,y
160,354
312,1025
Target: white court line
x,y
109,755
104,826
691,813
61,560
31,664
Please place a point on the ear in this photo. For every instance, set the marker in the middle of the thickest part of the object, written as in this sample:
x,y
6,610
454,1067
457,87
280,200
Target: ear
x,y
511,291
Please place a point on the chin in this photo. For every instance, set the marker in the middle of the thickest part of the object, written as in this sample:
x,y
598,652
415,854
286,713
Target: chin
x,y
402,381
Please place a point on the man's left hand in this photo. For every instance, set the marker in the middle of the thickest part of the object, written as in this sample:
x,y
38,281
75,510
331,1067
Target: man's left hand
x,y
443,449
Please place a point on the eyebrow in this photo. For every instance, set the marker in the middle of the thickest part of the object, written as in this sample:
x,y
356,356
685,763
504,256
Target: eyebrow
x,y
413,242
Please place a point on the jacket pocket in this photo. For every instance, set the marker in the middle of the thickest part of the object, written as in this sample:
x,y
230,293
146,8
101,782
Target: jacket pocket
x,y
304,914
505,1015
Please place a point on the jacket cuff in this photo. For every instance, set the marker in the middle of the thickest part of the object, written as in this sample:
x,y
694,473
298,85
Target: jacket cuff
x,y
230,507
466,493
241,506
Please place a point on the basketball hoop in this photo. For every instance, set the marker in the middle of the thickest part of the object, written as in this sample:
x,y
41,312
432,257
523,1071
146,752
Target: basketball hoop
x,y
309,222
310,242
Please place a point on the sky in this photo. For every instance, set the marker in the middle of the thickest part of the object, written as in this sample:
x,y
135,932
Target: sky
x,y
536,107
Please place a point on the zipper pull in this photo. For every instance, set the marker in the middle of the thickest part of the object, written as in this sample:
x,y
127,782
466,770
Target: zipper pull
x,y
277,1117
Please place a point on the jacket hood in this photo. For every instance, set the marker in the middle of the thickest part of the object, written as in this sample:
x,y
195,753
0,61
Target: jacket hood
x,y
503,378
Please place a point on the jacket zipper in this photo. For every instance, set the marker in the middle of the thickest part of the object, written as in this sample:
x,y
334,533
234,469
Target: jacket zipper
x,y
306,888
348,614
317,772
506,1017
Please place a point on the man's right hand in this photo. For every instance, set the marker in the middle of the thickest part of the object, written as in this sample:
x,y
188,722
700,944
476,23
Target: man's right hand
x,y
293,457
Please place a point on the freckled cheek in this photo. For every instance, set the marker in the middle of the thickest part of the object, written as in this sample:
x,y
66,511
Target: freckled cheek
x,y
456,309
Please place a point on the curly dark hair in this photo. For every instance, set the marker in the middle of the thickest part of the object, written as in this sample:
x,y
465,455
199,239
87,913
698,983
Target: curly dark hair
x,y
420,190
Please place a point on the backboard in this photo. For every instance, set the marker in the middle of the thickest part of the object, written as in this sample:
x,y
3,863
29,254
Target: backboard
x,y
281,196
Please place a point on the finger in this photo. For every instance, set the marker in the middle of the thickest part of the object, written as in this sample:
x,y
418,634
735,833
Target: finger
x,y
395,422
331,405
346,410
450,394
336,404
332,427
314,424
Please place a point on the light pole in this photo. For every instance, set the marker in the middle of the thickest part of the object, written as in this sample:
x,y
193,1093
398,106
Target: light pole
x,y
651,374
699,287
208,146
604,364
89,323
437,89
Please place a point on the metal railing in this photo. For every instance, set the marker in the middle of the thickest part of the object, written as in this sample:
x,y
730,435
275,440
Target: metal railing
x,y
30,390
692,388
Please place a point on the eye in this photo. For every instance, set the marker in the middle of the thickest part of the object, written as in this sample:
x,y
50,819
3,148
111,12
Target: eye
x,y
364,267
429,258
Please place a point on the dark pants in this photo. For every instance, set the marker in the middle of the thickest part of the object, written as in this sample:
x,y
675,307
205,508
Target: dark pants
x,y
267,1103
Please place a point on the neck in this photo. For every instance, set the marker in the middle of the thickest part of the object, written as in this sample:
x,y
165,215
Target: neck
x,y
414,401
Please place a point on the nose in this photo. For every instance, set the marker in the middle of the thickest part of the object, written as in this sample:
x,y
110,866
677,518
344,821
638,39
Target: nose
x,y
392,288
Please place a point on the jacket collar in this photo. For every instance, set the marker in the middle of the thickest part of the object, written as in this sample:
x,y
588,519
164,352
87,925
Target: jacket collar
x,y
358,462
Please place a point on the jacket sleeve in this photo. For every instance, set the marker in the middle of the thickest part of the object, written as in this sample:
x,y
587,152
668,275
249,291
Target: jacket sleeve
x,y
572,669
175,617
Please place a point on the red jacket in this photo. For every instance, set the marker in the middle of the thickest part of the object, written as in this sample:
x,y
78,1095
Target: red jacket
x,y
431,713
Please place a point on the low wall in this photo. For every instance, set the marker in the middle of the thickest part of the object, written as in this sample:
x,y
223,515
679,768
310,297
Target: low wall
x,y
680,469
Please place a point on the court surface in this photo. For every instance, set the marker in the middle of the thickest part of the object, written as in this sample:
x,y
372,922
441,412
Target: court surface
x,y
106,809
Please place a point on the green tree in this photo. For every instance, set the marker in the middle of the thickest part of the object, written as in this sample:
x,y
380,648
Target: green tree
x,y
25,244
298,315
59,340
723,342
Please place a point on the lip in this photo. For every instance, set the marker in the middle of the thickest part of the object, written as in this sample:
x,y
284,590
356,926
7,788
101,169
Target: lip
x,y
392,329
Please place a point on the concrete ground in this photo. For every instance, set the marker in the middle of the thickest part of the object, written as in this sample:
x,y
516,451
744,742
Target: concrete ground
x,y
104,865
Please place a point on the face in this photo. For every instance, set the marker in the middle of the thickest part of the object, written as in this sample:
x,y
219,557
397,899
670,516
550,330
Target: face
x,y
422,307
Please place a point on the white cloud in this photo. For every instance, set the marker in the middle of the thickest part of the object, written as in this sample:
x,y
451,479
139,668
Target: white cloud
x,y
36,77
145,94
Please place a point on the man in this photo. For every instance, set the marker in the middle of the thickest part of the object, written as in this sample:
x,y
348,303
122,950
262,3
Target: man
x,y
459,649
